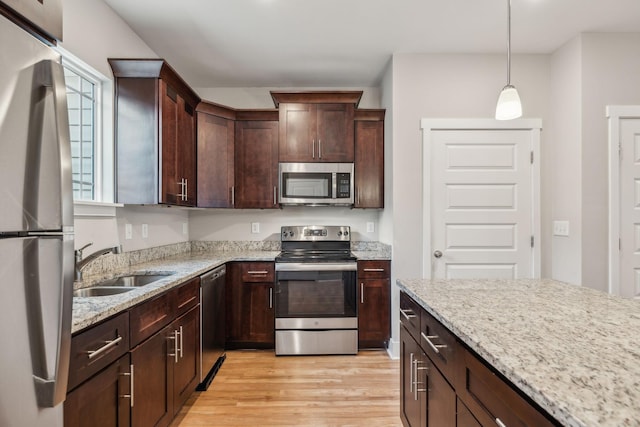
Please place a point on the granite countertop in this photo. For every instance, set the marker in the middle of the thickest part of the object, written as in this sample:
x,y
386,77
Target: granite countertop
x,y
183,266
573,350
90,310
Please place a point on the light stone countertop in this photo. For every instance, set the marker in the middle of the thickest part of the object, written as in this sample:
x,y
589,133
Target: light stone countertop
x,y
184,266
573,350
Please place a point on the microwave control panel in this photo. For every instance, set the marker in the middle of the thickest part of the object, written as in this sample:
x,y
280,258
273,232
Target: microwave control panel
x,y
343,185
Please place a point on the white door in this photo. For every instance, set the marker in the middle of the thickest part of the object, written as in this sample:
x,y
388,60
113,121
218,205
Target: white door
x,y
624,230
482,203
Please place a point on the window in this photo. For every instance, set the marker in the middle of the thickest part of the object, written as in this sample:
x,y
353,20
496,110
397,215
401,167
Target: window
x,y
89,100
83,103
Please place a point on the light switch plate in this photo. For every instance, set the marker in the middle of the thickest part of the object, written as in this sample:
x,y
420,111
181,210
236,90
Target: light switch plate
x,y
560,228
371,227
145,231
255,227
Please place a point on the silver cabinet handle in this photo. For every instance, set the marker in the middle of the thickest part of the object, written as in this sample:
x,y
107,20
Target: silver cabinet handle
x,y
361,293
275,195
175,354
270,297
233,195
186,189
319,148
181,343
256,272
108,344
500,423
416,382
313,149
434,347
411,373
374,270
408,314
130,395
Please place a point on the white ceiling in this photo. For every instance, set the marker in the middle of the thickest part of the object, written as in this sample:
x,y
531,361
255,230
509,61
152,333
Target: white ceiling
x,y
342,43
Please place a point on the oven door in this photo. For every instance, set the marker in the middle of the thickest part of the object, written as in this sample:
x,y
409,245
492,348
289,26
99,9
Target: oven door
x,y
324,292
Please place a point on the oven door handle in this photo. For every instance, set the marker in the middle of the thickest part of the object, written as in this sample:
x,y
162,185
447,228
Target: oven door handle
x,y
317,266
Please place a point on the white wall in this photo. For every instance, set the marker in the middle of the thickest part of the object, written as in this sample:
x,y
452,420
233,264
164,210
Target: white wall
x,y
564,138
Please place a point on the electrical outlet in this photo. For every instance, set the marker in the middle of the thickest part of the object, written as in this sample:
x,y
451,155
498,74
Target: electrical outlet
x,y
255,227
185,228
560,228
145,231
128,231
371,227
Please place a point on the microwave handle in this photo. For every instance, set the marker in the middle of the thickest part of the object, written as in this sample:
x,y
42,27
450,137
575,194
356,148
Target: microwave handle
x,y
334,185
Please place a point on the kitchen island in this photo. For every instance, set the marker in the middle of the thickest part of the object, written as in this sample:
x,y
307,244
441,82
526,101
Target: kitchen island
x,y
573,351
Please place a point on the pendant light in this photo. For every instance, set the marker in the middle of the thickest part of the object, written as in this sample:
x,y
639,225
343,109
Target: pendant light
x,y
509,106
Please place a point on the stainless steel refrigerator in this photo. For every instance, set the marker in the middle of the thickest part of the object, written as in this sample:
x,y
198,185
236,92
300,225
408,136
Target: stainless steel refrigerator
x,y
36,231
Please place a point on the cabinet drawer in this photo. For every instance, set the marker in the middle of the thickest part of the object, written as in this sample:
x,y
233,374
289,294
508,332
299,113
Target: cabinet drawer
x,y
97,347
258,271
149,317
410,315
374,269
490,398
439,344
187,296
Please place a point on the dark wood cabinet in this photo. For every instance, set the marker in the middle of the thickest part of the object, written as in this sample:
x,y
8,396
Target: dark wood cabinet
x,y
374,312
155,134
316,126
104,400
256,164
185,369
444,383
369,159
250,309
216,156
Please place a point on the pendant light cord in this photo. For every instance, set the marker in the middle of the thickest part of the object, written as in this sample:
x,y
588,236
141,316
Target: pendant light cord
x,y
508,42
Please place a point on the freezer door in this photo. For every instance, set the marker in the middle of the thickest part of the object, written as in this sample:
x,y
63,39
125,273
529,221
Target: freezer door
x,y
36,286
35,158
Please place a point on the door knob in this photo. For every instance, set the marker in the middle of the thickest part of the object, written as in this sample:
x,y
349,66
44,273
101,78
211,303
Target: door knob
x,y
437,254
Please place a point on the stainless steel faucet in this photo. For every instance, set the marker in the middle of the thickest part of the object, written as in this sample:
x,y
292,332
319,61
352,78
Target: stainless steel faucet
x,y
81,263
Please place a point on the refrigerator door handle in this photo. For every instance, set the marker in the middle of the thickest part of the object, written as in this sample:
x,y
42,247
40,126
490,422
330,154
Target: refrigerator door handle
x,y
51,77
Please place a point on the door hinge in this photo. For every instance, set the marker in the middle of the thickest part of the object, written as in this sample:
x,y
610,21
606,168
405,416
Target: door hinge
x,y
531,241
532,157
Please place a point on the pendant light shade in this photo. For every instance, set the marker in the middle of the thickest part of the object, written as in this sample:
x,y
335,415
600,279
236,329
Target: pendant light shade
x,y
509,106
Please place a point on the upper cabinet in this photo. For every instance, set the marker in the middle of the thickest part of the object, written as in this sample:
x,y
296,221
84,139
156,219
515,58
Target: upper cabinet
x,y
155,134
216,151
316,126
369,159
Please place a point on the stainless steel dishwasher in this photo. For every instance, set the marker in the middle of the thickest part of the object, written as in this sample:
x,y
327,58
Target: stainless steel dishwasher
x,y
212,325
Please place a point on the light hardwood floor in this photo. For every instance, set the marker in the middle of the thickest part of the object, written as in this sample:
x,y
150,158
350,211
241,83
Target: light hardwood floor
x,y
256,388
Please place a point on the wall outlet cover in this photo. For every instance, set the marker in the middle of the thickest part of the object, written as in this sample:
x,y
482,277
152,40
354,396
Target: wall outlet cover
x,y
255,227
371,227
145,231
128,231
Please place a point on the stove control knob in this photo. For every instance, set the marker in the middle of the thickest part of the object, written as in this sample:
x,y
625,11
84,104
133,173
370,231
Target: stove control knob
x,y
346,233
339,233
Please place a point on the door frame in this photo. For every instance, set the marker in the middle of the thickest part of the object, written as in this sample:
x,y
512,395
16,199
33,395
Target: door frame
x,y
428,125
615,113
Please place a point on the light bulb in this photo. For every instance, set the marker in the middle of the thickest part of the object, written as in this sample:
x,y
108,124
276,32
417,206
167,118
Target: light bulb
x,y
509,106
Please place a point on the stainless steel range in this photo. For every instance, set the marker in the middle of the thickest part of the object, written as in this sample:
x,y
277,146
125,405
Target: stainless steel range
x,y
316,292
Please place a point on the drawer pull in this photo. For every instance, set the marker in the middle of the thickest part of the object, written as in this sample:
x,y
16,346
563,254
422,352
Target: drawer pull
x,y
500,423
108,344
408,314
374,270
187,301
255,272
434,347
130,375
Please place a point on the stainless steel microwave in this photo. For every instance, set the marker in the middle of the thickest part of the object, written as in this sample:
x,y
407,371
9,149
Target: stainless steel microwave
x,y
316,184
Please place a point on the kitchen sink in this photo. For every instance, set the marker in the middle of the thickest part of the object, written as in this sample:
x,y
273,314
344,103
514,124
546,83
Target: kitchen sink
x,y
100,291
133,280
119,285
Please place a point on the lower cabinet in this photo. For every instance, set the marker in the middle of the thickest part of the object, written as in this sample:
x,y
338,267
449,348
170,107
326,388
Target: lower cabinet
x,y
139,367
444,384
250,305
374,315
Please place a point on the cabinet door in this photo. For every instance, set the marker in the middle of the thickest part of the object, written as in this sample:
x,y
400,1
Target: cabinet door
x,y
215,161
369,164
186,368
374,321
256,164
334,133
260,315
413,406
170,187
152,361
186,152
441,398
102,401
464,418
297,133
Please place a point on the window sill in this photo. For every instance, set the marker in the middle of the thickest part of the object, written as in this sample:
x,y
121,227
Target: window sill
x,y
95,209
